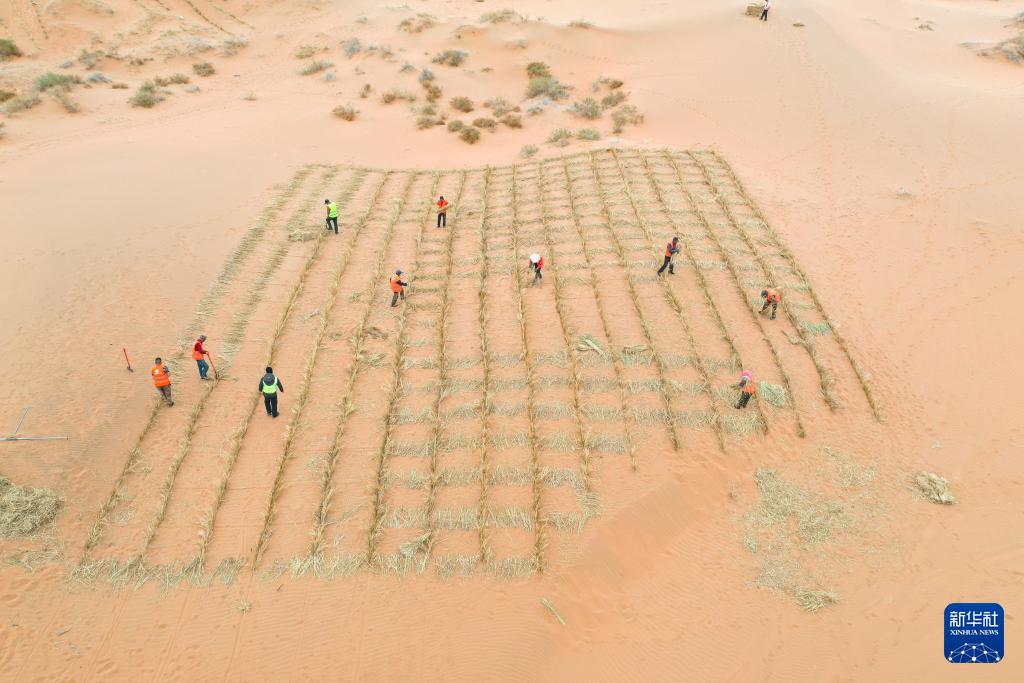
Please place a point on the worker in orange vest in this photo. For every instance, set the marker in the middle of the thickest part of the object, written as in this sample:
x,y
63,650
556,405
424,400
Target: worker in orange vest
x,y
162,381
747,388
771,298
199,356
397,288
442,212
537,263
671,249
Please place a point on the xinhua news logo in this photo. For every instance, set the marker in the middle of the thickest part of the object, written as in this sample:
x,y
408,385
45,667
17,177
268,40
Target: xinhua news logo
x,y
974,633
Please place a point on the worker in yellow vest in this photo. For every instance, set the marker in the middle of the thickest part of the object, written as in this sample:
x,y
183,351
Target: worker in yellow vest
x,y
332,215
270,384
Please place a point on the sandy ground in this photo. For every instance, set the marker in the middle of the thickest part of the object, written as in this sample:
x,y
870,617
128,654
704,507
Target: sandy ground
x,y
117,219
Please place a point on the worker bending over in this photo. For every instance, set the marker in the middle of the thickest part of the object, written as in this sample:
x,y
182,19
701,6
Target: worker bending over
x,y
537,263
671,249
747,388
199,354
162,380
397,288
771,298
332,215
270,384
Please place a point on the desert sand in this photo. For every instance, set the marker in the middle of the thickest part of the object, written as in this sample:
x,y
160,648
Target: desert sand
x,y
862,145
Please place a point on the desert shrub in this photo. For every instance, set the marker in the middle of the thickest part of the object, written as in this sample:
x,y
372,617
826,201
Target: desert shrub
x,y
580,23
560,137
625,115
173,79
548,86
192,88
485,122
406,68
455,125
426,76
8,49
21,103
315,66
535,110
306,51
249,96
232,44
499,105
97,78
613,99
395,94
51,80
417,24
588,134
89,59
365,91
528,151
512,120
119,86
6,95
345,112
203,69
500,17
433,91
469,134
428,121
450,58
146,96
587,108
352,47
64,99
463,104
538,70
2,131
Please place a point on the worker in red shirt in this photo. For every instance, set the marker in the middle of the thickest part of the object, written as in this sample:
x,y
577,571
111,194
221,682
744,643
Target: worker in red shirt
x,y
442,212
397,288
162,380
771,298
199,355
537,263
671,249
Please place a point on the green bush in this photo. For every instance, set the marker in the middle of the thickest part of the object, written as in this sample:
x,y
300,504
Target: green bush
x,y
538,70
587,108
455,125
463,104
528,151
613,99
548,86
625,115
8,50
51,80
560,137
146,96
588,134
450,58
203,69
26,101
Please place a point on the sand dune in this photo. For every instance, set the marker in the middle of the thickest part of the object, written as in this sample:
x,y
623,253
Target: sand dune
x,y
862,157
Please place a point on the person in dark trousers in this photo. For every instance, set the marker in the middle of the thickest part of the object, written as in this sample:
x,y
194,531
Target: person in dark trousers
x,y
397,288
764,9
442,212
771,298
332,215
537,263
199,354
162,380
270,384
671,249
747,388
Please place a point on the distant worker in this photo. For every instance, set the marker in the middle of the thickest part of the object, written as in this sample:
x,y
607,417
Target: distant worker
x,y
771,298
270,384
332,215
397,288
671,249
162,380
747,388
199,356
767,5
442,212
537,263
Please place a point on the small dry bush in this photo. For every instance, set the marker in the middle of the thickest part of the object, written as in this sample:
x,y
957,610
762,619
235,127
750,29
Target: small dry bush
x,y
3,132
455,125
352,47
426,76
21,103
345,112
24,511
560,137
249,96
469,134
306,51
365,91
485,122
580,23
395,94
934,488
548,87
417,24
512,120
315,66
538,70
203,69
146,96
463,104
588,134
232,44
89,59
625,115
528,151
613,99
587,108
6,95
64,99
499,105
450,58
173,79
119,86
424,121
501,17
8,49
433,92
51,80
